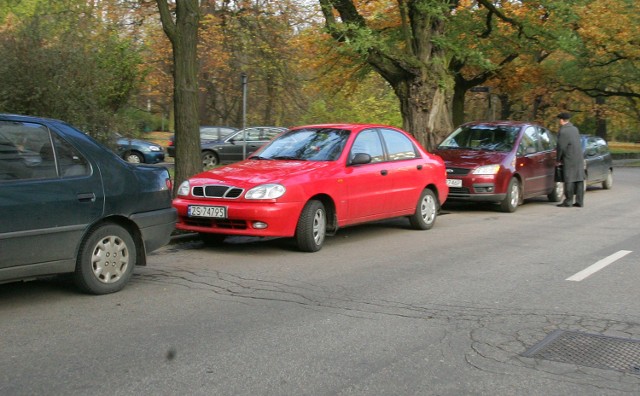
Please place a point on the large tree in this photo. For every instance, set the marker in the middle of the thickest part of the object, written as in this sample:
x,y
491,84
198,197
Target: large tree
x,y
182,31
411,59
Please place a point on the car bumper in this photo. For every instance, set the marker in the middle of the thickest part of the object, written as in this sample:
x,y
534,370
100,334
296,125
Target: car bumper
x,y
153,158
480,189
280,218
155,227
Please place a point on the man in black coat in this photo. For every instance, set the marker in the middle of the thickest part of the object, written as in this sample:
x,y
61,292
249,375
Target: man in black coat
x,y
569,154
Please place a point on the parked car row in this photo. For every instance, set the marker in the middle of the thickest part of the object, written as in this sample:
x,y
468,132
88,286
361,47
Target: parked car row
x,y
95,216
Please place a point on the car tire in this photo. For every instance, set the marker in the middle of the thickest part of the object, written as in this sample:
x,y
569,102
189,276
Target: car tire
x,y
209,160
312,227
608,182
557,193
133,158
212,239
106,260
426,211
512,200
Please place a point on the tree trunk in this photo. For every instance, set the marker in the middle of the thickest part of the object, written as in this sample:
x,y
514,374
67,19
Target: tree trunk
x,y
183,34
425,109
601,119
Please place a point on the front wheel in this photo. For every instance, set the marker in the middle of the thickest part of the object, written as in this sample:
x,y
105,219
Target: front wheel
x,y
106,260
312,227
512,200
133,158
608,182
426,211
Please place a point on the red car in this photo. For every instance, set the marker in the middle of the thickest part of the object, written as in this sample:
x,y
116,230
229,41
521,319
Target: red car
x,y
502,162
312,180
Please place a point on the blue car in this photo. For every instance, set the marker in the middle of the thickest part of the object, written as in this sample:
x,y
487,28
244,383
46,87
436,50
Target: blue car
x,y
70,205
138,151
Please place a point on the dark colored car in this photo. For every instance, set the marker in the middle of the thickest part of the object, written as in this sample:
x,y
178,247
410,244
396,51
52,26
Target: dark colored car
x,y
598,161
70,205
502,162
312,180
138,151
207,134
238,145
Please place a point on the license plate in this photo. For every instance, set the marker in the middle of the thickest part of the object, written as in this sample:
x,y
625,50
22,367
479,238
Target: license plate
x,y
454,182
219,212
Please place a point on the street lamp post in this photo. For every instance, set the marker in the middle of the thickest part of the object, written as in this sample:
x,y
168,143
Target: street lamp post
x,y
244,115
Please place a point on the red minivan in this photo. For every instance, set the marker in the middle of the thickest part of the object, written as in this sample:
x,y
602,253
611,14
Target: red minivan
x,y
500,161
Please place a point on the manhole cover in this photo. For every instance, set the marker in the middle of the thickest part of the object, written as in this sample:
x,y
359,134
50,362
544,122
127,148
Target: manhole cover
x,y
592,350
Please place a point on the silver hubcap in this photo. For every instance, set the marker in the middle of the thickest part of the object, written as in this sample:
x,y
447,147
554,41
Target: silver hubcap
x,y
110,259
134,159
515,195
560,188
319,226
428,209
209,161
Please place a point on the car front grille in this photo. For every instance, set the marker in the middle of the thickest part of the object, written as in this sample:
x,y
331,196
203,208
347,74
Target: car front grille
x,y
459,191
217,191
216,223
457,171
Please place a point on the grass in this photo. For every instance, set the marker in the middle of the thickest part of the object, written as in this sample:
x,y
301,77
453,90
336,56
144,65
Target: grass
x,y
623,147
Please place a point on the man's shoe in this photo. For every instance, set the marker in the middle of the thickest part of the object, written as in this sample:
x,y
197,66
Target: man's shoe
x,y
563,205
577,205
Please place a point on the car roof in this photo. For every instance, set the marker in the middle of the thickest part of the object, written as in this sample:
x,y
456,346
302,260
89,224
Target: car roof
x,y
501,123
344,126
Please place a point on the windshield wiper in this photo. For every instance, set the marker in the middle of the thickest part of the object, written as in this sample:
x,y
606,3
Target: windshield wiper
x,y
257,157
287,157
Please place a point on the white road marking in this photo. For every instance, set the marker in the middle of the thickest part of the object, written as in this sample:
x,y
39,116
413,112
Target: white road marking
x,y
598,266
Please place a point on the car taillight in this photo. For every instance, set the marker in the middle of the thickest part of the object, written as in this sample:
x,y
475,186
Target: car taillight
x,y
169,184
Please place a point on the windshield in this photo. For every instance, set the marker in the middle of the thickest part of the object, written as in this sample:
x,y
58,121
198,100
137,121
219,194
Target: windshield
x,y
482,137
313,144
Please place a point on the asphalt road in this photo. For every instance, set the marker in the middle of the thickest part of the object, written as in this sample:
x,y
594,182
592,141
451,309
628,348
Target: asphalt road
x,y
380,310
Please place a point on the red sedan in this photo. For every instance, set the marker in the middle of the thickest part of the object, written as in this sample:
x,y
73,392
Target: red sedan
x,y
312,180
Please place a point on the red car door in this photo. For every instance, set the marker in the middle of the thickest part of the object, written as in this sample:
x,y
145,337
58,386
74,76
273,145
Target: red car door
x,y
367,185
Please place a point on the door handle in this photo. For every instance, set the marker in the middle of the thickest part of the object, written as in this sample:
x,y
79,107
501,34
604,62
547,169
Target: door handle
x,y
86,197
384,172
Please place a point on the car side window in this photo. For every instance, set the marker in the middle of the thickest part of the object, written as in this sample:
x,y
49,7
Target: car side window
x,y
399,146
70,162
529,142
547,141
21,153
368,142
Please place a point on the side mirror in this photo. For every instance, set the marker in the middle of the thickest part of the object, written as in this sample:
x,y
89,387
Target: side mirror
x,y
530,150
361,159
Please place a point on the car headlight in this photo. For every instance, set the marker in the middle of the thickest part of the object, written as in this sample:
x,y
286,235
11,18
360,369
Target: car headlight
x,y
486,170
155,148
266,191
184,188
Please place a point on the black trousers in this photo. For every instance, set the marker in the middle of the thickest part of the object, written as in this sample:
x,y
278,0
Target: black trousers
x,y
571,189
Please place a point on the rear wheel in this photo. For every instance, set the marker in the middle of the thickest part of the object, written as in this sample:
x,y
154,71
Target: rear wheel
x,y
608,182
312,227
512,200
426,211
209,160
106,260
558,192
